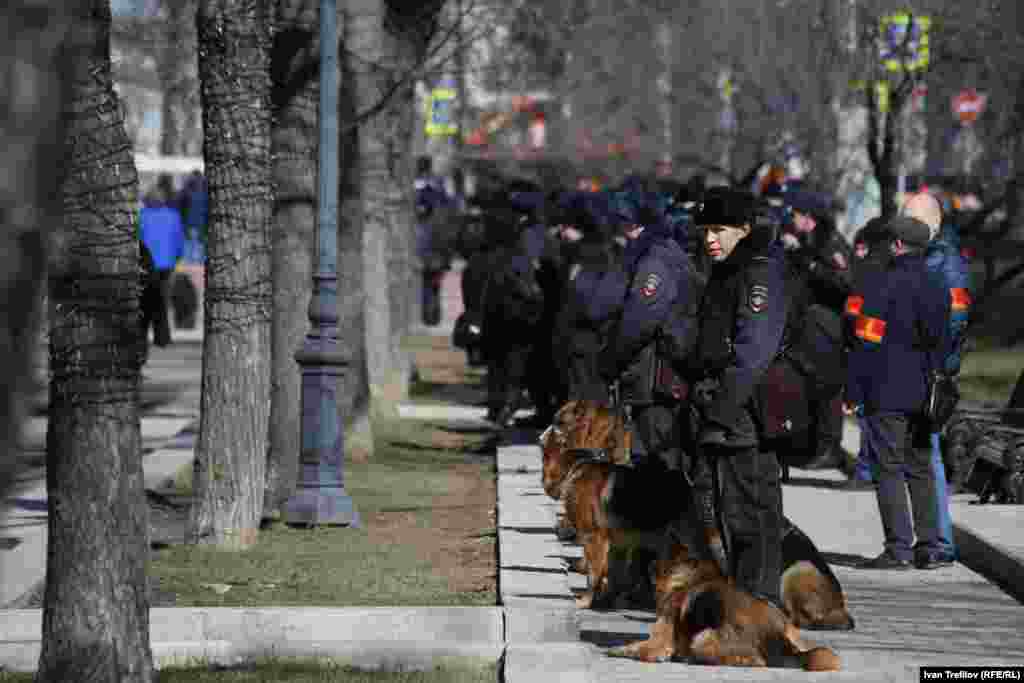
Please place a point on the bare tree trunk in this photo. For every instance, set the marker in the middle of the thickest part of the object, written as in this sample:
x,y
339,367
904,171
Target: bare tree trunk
x,y
30,135
177,75
96,609
383,189
405,275
295,142
353,385
234,71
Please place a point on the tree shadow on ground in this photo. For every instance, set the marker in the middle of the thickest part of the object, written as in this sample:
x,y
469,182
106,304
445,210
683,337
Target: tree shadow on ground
x,y
609,638
844,559
814,482
462,393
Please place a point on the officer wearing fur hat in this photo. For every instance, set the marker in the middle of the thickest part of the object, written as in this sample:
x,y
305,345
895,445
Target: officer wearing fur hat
x,y
743,321
897,330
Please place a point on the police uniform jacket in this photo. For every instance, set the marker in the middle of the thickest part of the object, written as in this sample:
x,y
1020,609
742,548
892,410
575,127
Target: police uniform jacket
x,y
897,333
658,319
743,320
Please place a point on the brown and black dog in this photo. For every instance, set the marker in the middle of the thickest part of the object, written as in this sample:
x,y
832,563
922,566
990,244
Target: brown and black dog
x,y
610,527
702,617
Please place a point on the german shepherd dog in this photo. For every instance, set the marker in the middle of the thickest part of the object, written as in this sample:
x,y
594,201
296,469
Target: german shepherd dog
x,y
609,506
704,618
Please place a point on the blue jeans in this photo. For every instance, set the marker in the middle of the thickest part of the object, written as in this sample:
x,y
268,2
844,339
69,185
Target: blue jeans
x,y
945,522
866,468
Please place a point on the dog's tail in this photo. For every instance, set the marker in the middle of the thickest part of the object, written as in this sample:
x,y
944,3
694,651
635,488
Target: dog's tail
x,y
810,657
814,600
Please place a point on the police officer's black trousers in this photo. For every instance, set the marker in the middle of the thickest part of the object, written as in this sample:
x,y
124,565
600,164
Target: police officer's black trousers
x,y
750,506
506,373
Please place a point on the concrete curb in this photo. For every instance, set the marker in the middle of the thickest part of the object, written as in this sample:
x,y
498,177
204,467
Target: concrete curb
x,y
297,624
991,561
368,655
366,637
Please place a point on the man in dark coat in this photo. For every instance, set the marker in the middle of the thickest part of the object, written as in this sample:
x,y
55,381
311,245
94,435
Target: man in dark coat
x,y
743,320
812,241
898,333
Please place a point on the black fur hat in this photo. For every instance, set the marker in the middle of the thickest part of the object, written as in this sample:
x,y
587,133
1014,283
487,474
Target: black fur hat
x,y
726,206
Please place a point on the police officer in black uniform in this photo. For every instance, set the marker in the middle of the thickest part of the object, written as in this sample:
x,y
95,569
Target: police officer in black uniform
x,y
742,324
512,309
593,294
652,340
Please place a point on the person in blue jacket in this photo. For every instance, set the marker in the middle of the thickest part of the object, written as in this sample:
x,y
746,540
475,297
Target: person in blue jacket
x,y
163,236
943,258
897,333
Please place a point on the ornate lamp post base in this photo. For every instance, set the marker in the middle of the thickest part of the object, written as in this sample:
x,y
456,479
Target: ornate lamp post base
x,y
320,497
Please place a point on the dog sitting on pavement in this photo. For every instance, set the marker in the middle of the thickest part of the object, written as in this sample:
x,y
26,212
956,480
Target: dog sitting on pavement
x,y
609,506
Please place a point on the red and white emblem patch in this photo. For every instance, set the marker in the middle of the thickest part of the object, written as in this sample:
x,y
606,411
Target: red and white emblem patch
x,y
757,299
651,284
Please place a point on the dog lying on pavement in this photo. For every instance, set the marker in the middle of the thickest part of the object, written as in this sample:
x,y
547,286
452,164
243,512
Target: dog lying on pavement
x,y
704,618
609,506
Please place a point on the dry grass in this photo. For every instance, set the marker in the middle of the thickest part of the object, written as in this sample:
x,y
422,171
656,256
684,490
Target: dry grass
x,y
427,499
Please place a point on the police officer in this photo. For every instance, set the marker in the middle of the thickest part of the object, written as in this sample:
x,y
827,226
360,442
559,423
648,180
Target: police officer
x,y
513,307
743,316
654,335
594,292
897,331
813,243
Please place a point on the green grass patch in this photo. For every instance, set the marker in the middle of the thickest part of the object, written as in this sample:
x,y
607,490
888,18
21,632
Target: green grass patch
x,y
989,373
304,671
339,566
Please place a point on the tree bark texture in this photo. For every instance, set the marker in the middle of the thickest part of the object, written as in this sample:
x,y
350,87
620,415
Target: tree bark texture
x,y
96,608
31,32
353,387
295,153
372,55
413,25
178,79
234,71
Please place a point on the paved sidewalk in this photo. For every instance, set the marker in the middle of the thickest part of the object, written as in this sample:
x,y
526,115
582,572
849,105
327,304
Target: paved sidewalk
x,y
170,414
905,620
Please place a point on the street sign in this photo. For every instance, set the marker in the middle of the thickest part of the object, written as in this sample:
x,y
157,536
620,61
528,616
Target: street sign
x,y
904,42
439,113
969,105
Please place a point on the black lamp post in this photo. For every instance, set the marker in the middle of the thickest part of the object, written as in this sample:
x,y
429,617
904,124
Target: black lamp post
x,y
320,497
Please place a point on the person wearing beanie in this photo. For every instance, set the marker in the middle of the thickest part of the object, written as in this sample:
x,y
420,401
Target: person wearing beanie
x,y
742,324
897,332
813,242
650,343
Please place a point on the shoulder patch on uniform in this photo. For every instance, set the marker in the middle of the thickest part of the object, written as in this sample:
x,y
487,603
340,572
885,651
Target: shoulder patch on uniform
x,y
651,285
757,298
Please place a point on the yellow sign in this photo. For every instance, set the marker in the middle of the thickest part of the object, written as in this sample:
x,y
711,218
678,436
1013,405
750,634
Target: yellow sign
x,y
882,96
440,107
904,42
